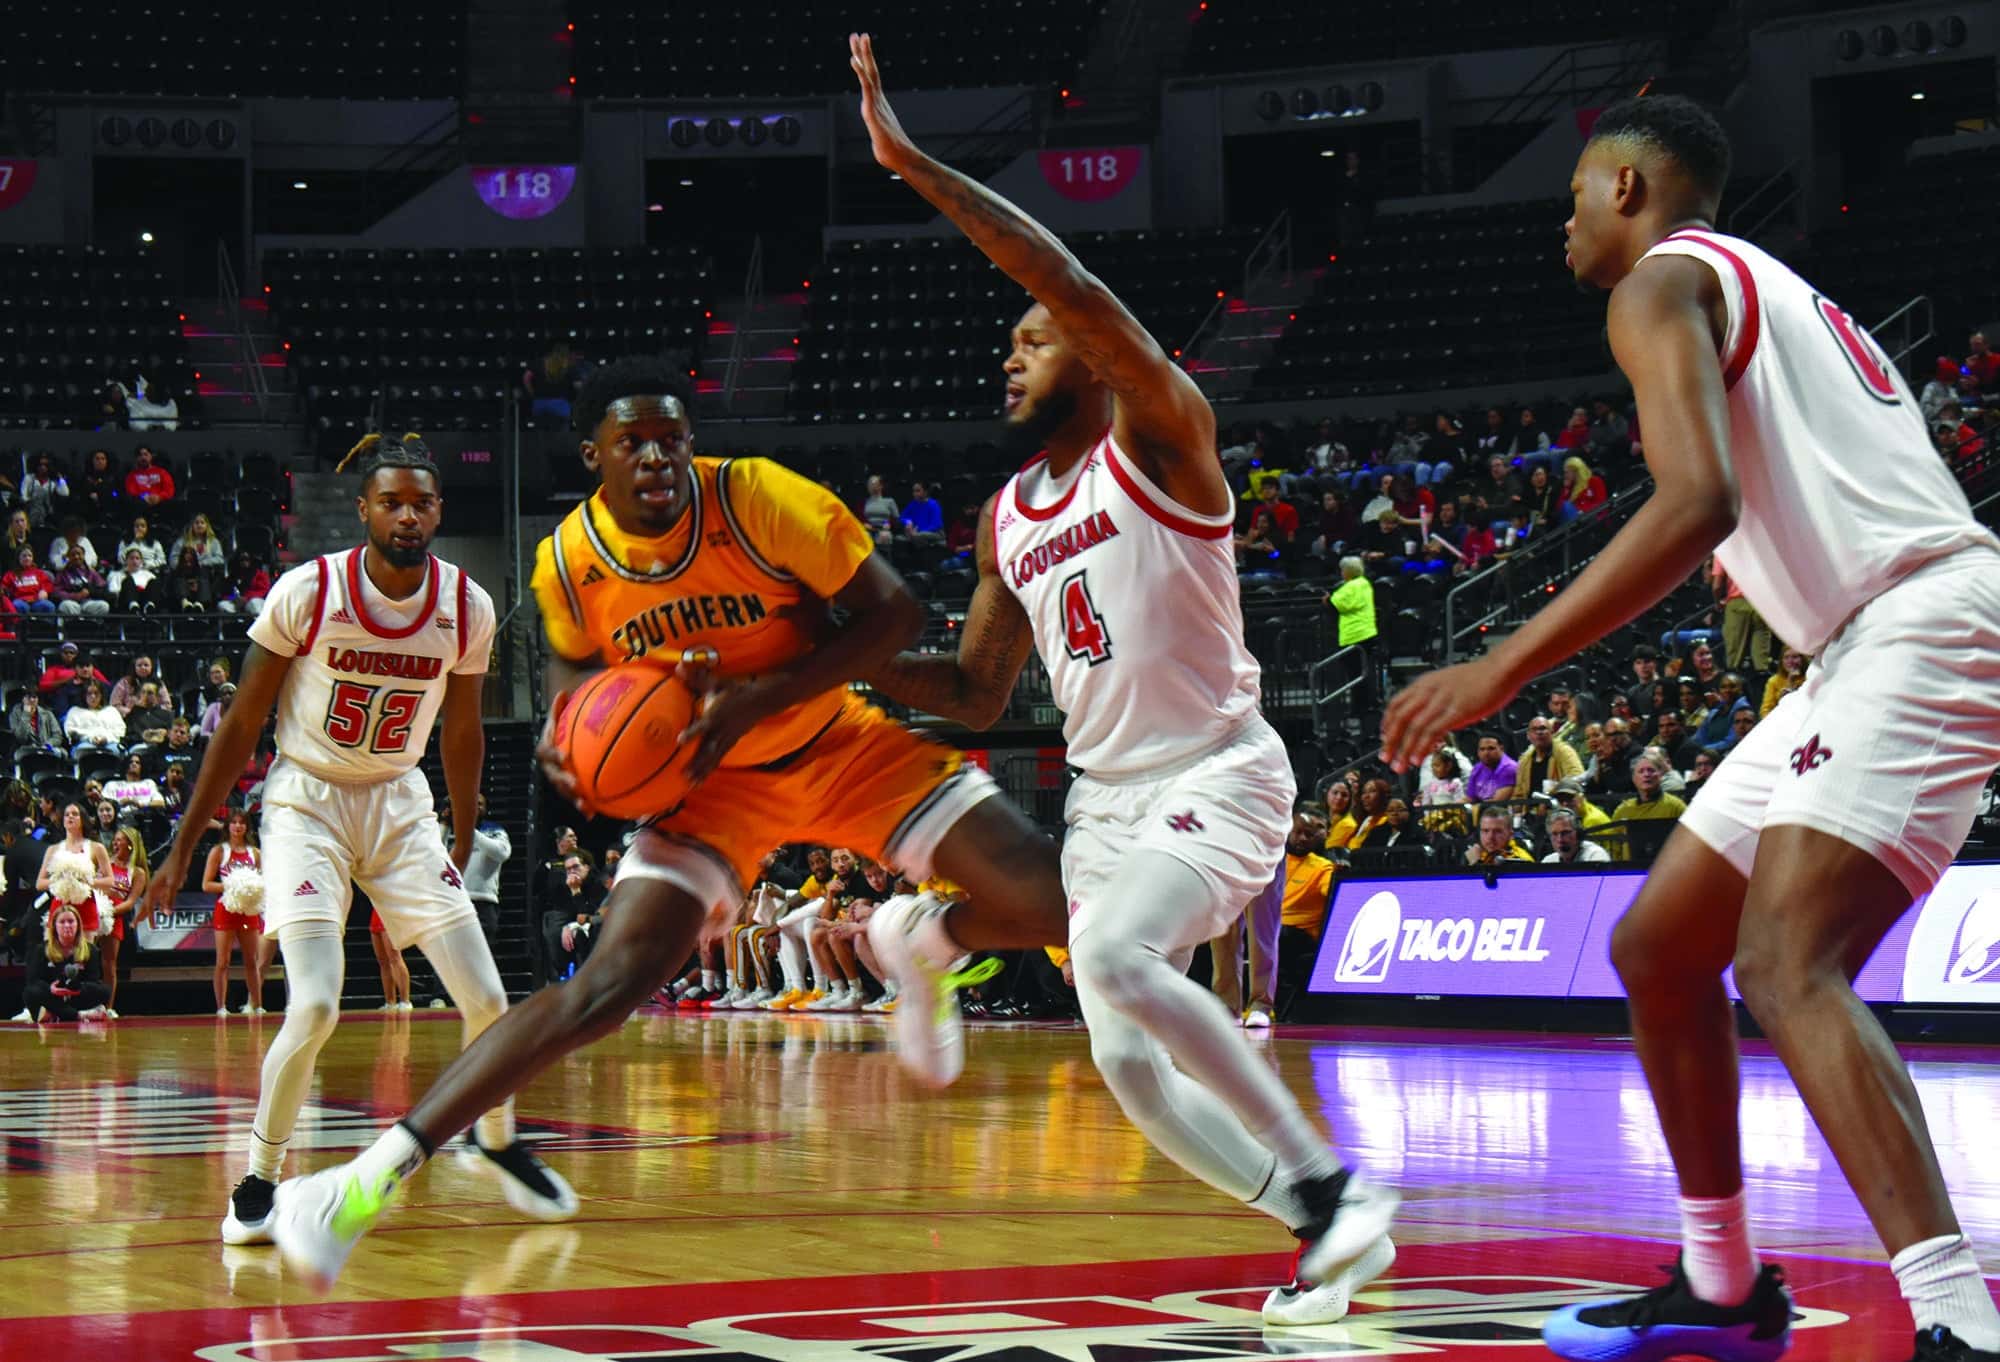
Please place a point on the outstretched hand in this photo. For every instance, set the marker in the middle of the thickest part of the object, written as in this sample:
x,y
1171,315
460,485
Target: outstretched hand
x,y
892,146
1427,710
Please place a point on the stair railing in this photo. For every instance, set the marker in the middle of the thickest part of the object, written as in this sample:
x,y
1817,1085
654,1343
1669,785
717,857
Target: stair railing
x,y
753,297
232,305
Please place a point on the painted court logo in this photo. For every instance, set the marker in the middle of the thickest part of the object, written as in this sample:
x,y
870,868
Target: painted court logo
x,y
1371,940
1975,951
1811,756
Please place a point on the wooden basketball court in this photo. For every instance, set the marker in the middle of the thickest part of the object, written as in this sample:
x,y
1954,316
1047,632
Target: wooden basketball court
x,y
772,1187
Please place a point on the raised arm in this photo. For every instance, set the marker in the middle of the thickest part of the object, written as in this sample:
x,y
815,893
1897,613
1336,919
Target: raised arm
x,y
1664,324
972,687
1161,418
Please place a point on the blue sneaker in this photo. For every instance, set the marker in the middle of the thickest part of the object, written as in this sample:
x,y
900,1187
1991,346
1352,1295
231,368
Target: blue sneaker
x,y
1671,1321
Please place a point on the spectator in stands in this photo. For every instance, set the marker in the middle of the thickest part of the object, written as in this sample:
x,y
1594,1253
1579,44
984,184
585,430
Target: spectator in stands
x,y
1649,801
1569,795
1941,388
1353,601
1374,806
148,721
1493,774
880,512
79,591
1645,670
1674,739
28,588
1571,847
1791,674
551,386
213,678
1705,763
1546,761
1504,491
1693,712
1283,514
1492,438
148,481
1383,543
1741,721
105,820
1399,830
244,587
94,728
1337,526
135,789
174,792
1610,433
42,489
34,728
125,694
134,587
1954,440
1613,777
923,518
201,537
62,681
1562,709
1408,446
97,489
1982,365
72,536
1383,500
179,748
1745,636
150,551
212,715
1576,433
1496,842
1724,700
187,588
571,915
1443,452
1441,796
1326,457
1308,885
64,980
1544,499
549,874
961,536
1340,821
20,534
1261,548
491,849
1583,490
1529,437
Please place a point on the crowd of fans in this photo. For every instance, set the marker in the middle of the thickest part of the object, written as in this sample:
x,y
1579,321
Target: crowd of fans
x,y
104,541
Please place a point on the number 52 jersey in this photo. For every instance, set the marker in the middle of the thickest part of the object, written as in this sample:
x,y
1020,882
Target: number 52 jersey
x,y
1136,611
368,673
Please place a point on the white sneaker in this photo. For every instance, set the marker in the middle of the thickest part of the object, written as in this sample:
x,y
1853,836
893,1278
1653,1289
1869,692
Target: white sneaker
x,y
757,999
406,1006
22,1016
221,1011
1298,1304
930,1034
317,1219
246,1010
530,1186
111,1014
91,1014
850,1001
732,999
832,1001
1257,1020
1356,1213
883,1003
388,1007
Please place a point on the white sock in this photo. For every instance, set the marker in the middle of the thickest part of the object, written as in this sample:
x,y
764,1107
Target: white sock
x,y
1280,1200
1940,1279
1716,1252
391,1160
710,978
267,1157
930,939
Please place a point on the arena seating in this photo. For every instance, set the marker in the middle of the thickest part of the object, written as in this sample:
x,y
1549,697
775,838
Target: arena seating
x,y
75,319
717,48
1445,299
345,49
442,333
917,329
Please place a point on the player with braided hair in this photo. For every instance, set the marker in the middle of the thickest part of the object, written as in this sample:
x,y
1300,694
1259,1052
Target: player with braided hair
x,y
361,652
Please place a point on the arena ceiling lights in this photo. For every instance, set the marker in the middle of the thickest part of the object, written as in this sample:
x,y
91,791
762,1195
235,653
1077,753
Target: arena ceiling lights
x,y
1308,105
751,131
149,132
1918,37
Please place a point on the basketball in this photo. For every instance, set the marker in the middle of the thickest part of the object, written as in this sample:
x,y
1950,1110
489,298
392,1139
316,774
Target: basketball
x,y
622,731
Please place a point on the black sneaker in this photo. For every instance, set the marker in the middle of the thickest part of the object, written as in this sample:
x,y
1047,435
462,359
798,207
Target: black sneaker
x,y
1349,1216
1939,1344
531,1186
1671,1321
249,1218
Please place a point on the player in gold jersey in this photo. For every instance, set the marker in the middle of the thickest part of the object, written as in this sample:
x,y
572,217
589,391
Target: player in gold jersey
x,y
733,560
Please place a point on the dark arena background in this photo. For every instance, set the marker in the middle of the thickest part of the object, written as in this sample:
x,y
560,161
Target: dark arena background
x,y
236,236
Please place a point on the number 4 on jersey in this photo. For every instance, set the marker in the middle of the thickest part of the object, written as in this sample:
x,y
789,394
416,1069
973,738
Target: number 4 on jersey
x,y
1084,630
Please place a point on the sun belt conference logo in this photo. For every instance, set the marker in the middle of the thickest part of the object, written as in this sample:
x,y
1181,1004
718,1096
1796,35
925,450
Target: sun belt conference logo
x,y
1371,940
1975,951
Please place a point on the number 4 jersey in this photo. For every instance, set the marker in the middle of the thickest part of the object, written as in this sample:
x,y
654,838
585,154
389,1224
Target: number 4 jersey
x,y
1135,608
1842,491
368,673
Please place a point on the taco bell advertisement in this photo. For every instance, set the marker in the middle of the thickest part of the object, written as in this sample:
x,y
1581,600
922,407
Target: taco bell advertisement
x,y
1549,936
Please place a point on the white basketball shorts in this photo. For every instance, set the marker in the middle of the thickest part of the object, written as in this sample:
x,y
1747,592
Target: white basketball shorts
x,y
1890,740
320,839
1226,814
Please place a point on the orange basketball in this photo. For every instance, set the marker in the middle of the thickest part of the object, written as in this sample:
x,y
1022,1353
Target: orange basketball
x,y
622,732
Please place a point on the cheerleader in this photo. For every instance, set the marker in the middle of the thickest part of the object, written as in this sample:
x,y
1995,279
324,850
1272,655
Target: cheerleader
x,y
226,858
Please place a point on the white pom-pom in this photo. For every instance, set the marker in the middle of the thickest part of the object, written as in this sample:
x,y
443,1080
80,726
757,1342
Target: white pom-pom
x,y
243,891
69,877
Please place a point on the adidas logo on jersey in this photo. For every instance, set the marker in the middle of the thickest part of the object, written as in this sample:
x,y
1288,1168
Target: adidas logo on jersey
x,y
591,575
305,890
340,616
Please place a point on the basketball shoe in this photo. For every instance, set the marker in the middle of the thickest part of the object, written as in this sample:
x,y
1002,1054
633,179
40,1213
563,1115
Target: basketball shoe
x,y
1939,1344
1670,1320
930,1032
1301,1302
530,1186
249,1218
1349,1215
316,1220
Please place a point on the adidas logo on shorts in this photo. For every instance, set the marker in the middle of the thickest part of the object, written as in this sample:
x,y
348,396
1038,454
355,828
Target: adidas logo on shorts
x,y
305,890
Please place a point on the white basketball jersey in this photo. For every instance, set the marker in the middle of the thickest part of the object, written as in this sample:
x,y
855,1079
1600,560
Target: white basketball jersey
x,y
368,673
1136,612
1842,491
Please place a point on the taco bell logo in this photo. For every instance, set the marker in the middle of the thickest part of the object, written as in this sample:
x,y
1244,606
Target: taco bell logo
x,y
1975,952
1371,940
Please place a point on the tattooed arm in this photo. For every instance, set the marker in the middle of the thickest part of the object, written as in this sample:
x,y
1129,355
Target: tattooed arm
x,y
1160,416
971,688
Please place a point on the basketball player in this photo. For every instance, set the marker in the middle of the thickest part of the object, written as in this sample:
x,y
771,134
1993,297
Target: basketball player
x,y
1783,441
1111,555
360,651
732,560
